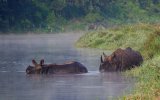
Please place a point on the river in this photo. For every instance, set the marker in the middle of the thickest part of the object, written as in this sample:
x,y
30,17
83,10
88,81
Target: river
x,y
17,51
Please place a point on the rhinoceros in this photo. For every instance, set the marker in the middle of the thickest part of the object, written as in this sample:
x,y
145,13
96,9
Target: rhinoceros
x,y
68,67
120,60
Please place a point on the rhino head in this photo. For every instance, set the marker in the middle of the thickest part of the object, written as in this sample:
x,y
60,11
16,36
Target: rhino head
x,y
36,69
106,63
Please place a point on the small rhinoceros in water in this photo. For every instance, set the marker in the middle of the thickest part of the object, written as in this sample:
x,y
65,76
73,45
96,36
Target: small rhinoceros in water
x,y
120,60
68,67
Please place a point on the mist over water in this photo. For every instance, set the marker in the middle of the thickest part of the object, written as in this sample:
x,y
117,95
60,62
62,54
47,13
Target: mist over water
x,y
17,51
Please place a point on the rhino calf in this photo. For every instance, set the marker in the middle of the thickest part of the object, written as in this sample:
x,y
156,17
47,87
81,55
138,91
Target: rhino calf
x,y
68,67
120,60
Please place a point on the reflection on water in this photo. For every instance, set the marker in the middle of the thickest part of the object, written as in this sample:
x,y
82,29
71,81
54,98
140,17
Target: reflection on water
x,y
18,51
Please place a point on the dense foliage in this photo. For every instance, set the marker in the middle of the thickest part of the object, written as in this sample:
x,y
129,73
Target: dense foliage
x,y
54,15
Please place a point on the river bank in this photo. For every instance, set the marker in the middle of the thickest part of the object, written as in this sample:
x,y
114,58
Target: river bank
x,y
142,37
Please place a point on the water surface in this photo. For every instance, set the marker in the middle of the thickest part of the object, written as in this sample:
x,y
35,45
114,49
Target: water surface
x,y
17,51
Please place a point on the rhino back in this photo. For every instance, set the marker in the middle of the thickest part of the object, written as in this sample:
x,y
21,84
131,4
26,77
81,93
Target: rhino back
x,y
72,67
126,59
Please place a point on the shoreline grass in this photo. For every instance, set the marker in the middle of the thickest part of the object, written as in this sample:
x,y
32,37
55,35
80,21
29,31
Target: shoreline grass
x,y
148,81
142,37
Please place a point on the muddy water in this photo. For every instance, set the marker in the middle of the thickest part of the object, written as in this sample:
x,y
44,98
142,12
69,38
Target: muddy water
x,y
17,51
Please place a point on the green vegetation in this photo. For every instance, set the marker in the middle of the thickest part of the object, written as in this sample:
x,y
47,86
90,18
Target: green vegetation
x,y
64,15
142,37
148,85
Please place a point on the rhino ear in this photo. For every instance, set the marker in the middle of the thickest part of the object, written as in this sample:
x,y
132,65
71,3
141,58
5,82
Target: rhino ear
x,y
34,62
42,62
102,60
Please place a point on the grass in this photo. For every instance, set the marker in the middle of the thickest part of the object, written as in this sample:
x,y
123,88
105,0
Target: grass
x,y
148,86
139,37
142,37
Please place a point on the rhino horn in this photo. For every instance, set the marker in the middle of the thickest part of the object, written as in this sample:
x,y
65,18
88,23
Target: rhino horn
x,y
102,60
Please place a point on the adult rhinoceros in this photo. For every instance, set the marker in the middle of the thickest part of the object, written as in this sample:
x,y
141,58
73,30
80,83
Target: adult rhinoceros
x,y
68,67
120,60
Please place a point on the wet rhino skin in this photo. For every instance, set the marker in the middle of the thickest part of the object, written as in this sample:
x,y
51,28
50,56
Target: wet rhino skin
x,y
72,67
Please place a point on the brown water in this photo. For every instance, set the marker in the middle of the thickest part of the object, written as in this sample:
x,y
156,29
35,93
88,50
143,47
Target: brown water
x,y
17,51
